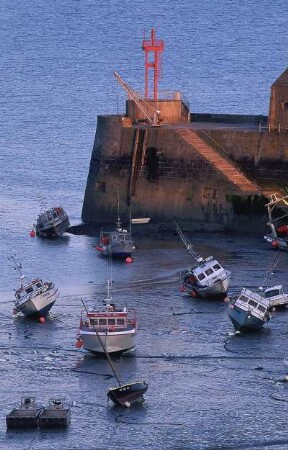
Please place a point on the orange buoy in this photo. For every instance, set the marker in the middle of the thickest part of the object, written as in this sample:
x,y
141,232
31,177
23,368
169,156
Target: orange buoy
x,y
193,294
32,233
128,260
42,319
79,343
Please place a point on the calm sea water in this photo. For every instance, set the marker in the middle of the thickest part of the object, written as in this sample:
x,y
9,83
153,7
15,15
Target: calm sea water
x,y
207,389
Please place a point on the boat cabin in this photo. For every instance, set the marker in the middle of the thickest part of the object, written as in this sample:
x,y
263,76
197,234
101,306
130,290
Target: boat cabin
x,y
35,287
49,216
111,320
210,268
274,291
252,302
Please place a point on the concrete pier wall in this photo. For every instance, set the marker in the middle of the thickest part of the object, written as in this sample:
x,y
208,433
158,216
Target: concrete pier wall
x,y
159,175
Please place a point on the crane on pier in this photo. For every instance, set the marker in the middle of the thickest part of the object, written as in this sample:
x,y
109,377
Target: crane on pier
x,y
142,105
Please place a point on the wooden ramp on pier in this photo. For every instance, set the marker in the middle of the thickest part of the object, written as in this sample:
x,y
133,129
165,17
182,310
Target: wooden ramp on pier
x,y
223,165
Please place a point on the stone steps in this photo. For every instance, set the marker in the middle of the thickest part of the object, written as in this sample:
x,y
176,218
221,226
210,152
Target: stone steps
x,y
228,169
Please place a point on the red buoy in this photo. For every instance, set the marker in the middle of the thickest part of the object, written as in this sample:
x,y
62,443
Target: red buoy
x,y
42,319
32,233
79,343
129,260
274,244
182,289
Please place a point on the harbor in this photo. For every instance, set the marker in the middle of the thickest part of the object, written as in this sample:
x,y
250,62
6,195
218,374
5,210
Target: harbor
x,y
186,349
72,141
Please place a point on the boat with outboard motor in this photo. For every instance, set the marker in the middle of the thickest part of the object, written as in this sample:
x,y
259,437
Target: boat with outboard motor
x,y
25,415
52,223
55,415
207,278
115,328
277,209
30,415
34,298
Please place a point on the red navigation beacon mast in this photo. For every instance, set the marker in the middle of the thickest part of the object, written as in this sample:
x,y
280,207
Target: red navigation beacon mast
x,y
156,46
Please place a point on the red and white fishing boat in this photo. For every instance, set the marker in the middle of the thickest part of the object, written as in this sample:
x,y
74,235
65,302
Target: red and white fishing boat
x,y
107,329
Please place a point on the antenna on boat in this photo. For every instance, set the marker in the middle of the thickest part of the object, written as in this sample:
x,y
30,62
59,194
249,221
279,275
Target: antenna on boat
x,y
16,264
269,271
186,242
109,278
104,348
118,223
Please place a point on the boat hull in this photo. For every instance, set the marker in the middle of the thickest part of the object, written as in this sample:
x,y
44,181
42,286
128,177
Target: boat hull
x,y
23,418
126,395
116,252
54,418
244,321
54,230
39,305
113,342
218,289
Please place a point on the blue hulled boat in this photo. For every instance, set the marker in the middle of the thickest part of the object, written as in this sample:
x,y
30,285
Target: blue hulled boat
x,y
249,311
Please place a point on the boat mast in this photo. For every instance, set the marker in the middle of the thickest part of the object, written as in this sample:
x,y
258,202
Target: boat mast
x,y
118,223
186,242
269,272
104,348
17,266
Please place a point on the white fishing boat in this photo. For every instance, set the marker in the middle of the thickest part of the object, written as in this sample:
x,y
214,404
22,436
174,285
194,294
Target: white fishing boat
x,y
207,278
276,296
52,223
249,310
123,394
34,298
107,327
277,208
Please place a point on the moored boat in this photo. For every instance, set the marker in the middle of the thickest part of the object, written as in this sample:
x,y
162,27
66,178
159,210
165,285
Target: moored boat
x,y
128,394
276,296
115,244
107,328
277,224
25,415
207,278
249,310
56,414
34,298
52,223
124,394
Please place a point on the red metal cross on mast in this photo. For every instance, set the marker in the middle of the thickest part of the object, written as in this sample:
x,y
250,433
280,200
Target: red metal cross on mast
x,y
157,47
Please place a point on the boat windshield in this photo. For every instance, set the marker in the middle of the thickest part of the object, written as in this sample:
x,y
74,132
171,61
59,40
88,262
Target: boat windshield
x,y
272,293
